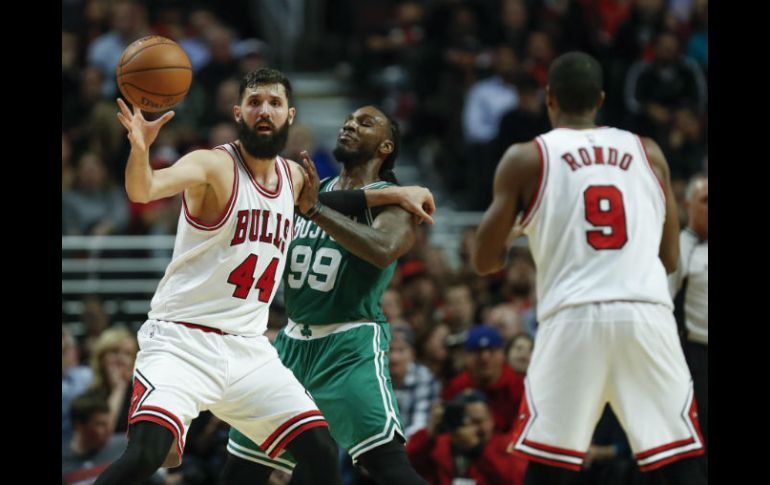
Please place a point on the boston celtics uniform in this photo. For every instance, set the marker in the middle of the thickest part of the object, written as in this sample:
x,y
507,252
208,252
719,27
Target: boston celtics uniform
x,y
336,341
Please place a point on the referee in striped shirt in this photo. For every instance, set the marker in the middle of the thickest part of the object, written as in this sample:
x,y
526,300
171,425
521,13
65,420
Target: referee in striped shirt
x,y
689,286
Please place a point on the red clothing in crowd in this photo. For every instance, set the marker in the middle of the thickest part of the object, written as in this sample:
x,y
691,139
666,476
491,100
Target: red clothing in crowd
x,y
432,459
504,396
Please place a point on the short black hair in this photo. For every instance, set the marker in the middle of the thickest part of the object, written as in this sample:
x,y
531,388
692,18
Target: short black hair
x,y
263,76
575,79
86,405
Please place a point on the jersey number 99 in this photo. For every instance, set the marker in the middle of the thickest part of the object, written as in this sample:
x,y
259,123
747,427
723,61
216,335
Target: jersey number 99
x,y
321,274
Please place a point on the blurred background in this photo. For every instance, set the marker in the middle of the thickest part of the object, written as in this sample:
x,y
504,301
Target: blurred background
x,y
464,78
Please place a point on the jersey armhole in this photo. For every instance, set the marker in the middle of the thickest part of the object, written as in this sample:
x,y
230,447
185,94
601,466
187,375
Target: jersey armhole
x,y
542,179
200,225
655,177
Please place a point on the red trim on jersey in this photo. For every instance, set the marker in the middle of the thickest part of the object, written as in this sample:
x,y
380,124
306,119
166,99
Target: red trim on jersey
x,y
197,223
644,454
286,424
282,444
288,172
262,190
546,461
692,415
553,449
657,464
542,181
649,164
202,327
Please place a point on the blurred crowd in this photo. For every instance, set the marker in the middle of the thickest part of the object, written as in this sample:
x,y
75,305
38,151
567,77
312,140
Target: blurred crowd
x,y
465,79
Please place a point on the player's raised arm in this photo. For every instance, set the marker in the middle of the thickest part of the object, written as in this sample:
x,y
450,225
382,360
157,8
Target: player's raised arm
x,y
390,236
669,242
415,199
518,167
143,184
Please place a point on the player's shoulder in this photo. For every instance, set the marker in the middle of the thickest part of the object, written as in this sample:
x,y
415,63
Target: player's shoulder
x,y
521,159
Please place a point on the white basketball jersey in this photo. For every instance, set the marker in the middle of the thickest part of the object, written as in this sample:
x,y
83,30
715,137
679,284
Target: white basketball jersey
x,y
596,221
225,275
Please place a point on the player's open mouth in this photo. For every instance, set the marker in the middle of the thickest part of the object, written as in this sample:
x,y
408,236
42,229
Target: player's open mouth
x,y
346,137
264,128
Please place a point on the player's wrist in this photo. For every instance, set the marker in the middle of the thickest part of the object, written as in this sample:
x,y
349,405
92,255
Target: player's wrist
x,y
313,212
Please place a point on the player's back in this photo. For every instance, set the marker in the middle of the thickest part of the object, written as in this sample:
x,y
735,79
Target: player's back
x,y
596,221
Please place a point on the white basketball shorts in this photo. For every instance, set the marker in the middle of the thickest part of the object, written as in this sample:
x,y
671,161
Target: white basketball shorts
x,y
624,353
183,369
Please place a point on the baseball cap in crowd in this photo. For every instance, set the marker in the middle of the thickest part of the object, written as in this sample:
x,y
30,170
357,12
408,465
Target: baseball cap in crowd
x,y
483,337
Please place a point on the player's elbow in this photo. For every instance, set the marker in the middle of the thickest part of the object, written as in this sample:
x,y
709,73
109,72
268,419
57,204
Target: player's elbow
x,y
137,196
483,265
669,263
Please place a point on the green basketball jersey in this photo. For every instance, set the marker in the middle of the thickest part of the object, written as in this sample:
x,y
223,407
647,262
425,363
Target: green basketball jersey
x,y
324,283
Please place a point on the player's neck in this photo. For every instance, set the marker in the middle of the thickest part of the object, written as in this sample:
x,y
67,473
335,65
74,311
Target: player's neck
x,y
358,176
575,122
261,168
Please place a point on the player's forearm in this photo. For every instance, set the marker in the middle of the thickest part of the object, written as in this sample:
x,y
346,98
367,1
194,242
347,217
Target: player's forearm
x,y
384,196
487,256
371,245
139,176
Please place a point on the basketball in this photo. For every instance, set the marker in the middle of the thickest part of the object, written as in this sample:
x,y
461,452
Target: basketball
x,y
154,73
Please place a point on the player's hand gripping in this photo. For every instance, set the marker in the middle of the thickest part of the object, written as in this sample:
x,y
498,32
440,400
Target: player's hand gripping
x,y
309,195
419,201
141,133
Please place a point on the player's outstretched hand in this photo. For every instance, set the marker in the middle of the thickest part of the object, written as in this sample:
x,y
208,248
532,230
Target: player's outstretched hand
x,y
309,195
419,201
141,133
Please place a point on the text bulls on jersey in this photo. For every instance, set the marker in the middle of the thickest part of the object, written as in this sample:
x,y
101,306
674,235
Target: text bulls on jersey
x,y
597,156
261,225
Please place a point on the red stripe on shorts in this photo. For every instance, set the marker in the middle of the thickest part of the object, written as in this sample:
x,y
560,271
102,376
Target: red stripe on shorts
x,y
266,444
280,446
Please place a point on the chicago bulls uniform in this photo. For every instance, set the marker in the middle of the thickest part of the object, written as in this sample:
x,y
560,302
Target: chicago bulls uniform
x,y
607,332
203,346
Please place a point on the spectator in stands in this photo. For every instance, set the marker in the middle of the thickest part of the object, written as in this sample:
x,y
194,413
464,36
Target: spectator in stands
x,y
524,122
434,353
488,372
129,23
689,288
94,446
95,206
416,388
75,379
112,363
506,319
460,445
685,145
655,89
518,352
223,64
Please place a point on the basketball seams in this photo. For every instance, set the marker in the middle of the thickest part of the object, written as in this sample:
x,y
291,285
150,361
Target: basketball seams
x,y
124,73
162,41
154,94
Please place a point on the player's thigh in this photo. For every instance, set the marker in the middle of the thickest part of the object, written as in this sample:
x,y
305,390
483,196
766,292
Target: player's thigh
x,y
564,388
349,379
267,403
650,387
171,386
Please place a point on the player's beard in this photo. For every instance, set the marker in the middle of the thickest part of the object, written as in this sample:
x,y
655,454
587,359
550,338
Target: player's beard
x,y
351,157
263,146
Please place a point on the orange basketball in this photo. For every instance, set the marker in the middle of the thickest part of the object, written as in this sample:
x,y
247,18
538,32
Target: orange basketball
x,y
154,73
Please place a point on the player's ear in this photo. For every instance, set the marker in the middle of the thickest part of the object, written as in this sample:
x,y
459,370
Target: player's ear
x,y
386,147
549,98
292,114
237,113
601,100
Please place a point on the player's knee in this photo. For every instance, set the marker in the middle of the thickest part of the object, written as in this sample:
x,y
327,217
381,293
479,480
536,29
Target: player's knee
x,y
389,464
316,443
148,447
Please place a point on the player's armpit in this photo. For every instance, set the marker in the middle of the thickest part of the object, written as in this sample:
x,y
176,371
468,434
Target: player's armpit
x,y
517,168
669,242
